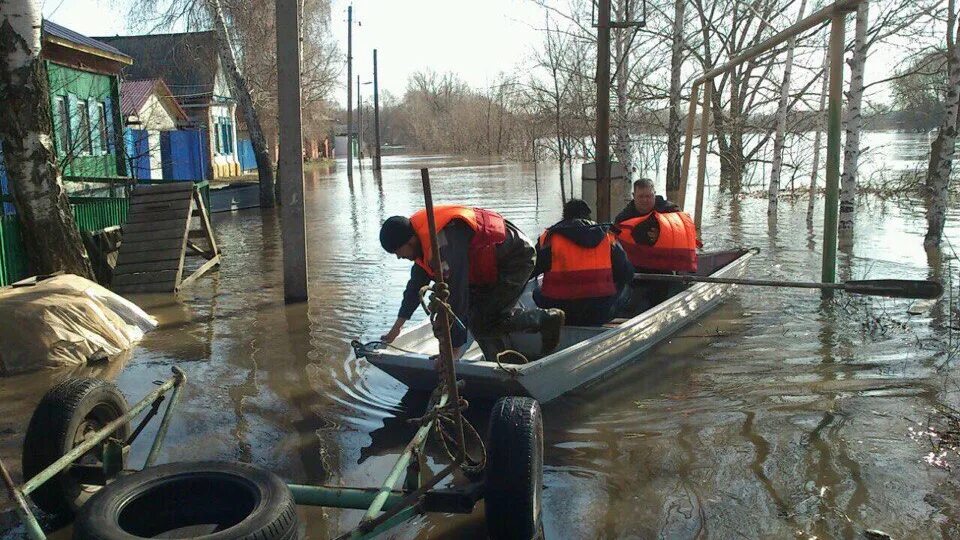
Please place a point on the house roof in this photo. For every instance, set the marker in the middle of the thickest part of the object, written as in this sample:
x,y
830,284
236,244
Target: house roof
x,y
134,95
187,62
60,35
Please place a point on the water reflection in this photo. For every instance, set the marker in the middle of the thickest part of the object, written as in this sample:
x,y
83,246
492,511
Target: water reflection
x,y
776,406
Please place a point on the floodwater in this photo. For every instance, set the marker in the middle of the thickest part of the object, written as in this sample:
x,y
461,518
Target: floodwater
x,y
775,416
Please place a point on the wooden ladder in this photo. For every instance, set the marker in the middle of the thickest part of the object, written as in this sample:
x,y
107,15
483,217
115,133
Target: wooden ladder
x,y
157,238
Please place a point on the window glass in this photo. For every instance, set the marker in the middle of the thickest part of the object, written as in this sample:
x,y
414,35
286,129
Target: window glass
x,y
102,127
83,137
63,124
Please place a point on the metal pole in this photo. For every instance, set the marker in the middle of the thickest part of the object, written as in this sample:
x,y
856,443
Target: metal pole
x,y
824,15
293,231
23,509
829,269
350,92
181,378
688,147
603,112
376,114
702,158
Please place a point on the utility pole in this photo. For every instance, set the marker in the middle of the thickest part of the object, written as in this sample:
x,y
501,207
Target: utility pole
x,y
350,93
359,127
602,153
291,152
376,115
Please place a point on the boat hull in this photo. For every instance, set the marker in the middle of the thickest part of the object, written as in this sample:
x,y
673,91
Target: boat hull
x,y
593,352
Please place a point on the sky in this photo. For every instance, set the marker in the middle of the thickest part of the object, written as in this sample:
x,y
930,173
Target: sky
x,y
475,39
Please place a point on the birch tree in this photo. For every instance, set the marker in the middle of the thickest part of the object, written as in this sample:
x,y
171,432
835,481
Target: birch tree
x,y
853,122
818,132
674,127
49,231
943,147
781,122
623,43
242,92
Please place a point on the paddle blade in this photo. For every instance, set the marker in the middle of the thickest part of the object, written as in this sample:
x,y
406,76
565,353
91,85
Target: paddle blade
x,y
895,288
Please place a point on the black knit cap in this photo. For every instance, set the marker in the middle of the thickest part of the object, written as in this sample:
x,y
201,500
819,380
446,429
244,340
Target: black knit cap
x,y
395,232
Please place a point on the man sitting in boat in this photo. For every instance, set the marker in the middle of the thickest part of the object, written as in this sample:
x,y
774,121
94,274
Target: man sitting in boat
x,y
659,238
487,262
645,200
585,270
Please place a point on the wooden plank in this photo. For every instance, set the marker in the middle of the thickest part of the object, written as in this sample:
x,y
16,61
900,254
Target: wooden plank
x,y
172,187
150,217
145,288
205,221
147,198
134,228
161,276
150,245
170,206
146,256
151,266
159,234
204,268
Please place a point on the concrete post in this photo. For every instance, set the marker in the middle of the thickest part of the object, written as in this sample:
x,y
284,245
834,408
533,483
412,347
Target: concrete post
x,y
350,93
291,152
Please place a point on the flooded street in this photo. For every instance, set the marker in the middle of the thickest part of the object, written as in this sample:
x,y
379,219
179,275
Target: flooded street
x,y
775,416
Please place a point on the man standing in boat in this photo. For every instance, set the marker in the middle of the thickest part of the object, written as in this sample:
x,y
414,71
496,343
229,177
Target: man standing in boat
x,y
585,270
658,237
487,262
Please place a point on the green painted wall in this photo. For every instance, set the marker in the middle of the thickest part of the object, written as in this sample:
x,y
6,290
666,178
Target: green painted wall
x,y
74,88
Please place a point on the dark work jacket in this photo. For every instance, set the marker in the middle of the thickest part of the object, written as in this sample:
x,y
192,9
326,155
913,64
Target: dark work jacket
x,y
454,242
584,311
660,205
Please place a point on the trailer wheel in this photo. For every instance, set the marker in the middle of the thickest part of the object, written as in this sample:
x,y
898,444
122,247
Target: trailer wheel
x,y
66,415
208,499
514,481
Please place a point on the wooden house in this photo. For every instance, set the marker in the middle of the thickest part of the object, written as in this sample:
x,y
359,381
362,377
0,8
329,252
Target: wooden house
x,y
84,95
190,66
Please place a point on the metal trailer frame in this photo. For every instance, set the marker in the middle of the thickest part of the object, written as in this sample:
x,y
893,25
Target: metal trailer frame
x,y
394,503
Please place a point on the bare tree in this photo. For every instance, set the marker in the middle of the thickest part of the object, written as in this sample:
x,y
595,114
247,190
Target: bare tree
x,y
674,127
49,231
781,122
943,147
853,122
242,92
819,122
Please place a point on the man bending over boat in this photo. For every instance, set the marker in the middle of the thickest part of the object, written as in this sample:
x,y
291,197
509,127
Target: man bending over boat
x,y
487,262
658,237
585,270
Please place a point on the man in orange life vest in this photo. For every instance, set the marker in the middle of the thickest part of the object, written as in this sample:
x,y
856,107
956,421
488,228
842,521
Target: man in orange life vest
x,y
585,270
658,238
487,262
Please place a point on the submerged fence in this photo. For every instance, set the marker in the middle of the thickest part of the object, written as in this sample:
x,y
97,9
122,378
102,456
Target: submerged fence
x,y
92,213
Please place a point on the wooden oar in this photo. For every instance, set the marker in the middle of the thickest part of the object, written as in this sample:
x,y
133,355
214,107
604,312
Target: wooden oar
x,y
894,288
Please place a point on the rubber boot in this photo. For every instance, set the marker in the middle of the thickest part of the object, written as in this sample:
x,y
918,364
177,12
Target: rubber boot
x,y
551,323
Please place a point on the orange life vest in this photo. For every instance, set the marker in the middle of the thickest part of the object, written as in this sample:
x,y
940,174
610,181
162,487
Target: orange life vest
x,y
489,230
578,272
675,248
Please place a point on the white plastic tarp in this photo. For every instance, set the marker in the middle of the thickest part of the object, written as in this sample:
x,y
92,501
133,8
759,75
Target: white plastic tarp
x,y
64,321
